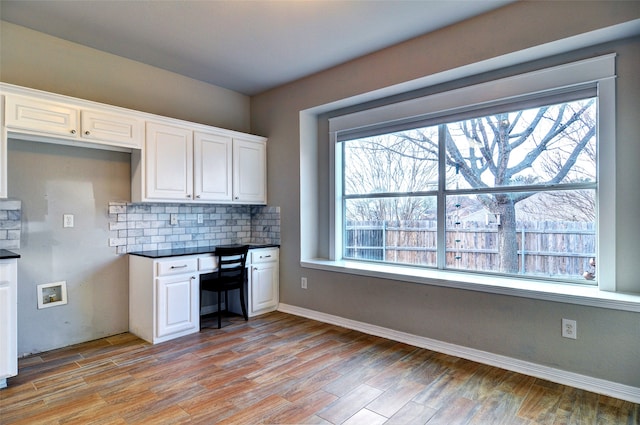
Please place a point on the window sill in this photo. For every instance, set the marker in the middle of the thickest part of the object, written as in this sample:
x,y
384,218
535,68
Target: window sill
x,y
541,290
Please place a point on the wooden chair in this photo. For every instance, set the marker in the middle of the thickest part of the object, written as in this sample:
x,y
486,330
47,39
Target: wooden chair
x,y
231,274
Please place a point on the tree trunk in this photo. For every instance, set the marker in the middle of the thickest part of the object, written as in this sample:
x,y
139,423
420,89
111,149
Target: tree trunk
x,y
507,236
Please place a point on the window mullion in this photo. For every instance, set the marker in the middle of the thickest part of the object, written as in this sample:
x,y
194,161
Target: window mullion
x,y
441,210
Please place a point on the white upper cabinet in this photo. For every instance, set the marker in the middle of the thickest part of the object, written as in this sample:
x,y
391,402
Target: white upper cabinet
x,y
171,159
249,171
169,162
111,128
185,165
49,118
40,116
3,153
213,154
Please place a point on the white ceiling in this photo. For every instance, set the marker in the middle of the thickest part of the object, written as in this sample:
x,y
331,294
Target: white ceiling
x,y
245,46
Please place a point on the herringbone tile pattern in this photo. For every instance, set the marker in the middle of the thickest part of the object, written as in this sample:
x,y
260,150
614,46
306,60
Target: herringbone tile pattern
x,y
282,369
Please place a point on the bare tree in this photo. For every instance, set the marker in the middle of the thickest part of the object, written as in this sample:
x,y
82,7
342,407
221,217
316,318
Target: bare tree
x,y
546,146
388,164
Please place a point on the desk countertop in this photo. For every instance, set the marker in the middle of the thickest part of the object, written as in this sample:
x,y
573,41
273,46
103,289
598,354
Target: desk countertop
x,y
177,252
5,255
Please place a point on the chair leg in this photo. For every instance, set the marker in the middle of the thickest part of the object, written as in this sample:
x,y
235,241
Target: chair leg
x,y
219,310
244,309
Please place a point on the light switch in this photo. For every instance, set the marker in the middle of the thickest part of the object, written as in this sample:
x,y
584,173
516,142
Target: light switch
x,y
67,220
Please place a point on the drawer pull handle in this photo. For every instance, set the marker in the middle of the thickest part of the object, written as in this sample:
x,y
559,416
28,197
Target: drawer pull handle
x,y
265,256
179,267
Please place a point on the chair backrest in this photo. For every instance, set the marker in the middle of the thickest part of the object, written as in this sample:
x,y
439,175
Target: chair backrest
x,y
231,262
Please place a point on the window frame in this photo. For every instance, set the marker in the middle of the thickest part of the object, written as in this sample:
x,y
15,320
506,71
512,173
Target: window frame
x,y
598,70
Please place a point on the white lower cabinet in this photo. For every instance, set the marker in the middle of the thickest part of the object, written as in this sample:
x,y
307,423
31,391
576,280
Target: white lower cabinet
x,y
164,293
163,297
263,281
8,320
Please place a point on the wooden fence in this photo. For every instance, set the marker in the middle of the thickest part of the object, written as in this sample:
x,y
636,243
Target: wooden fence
x,y
550,248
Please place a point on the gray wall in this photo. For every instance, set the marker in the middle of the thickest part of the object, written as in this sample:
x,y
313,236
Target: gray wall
x,y
608,346
36,60
52,180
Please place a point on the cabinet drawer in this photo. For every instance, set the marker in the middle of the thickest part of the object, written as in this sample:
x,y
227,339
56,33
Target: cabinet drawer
x,y
110,128
41,116
176,266
207,263
264,255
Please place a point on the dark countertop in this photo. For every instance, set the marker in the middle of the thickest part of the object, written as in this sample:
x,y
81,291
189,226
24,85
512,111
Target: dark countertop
x,y
177,252
5,255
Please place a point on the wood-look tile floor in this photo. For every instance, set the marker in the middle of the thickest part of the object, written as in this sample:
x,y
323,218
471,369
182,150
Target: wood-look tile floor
x,y
283,369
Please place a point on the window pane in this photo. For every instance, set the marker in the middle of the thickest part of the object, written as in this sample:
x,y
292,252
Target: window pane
x,y
550,234
392,163
546,145
396,230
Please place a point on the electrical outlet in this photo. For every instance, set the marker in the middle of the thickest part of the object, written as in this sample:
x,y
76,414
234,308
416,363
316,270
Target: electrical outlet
x,y
173,219
569,329
200,218
67,220
303,283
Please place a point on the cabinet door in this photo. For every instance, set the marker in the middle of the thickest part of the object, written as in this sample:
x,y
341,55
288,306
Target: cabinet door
x,y
111,128
249,171
40,116
176,304
212,167
264,287
169,162
3,154
8,321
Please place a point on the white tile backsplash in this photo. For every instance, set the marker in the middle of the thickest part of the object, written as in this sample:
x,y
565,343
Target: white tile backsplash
x,y
146,227
10,223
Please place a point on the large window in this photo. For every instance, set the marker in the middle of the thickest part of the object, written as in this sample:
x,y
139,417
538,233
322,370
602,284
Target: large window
x,y
518,192
507,185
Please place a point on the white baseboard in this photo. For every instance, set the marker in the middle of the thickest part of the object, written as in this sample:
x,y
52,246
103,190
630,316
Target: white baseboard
x,y
588,383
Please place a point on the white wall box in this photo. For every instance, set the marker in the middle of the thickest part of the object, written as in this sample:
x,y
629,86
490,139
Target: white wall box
x,y
171,160
8,320
164,293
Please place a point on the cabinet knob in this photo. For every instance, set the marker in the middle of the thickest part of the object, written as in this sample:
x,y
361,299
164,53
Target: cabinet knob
x,y
189,196
87,132
73,131
198,196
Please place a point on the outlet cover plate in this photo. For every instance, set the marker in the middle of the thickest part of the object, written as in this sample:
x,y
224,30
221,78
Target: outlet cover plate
x,y
569,329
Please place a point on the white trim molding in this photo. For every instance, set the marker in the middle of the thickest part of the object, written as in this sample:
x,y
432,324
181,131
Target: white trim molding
x,y
588,383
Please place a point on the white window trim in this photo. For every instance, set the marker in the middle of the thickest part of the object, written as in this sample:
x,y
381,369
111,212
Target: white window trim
x,y
600,70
